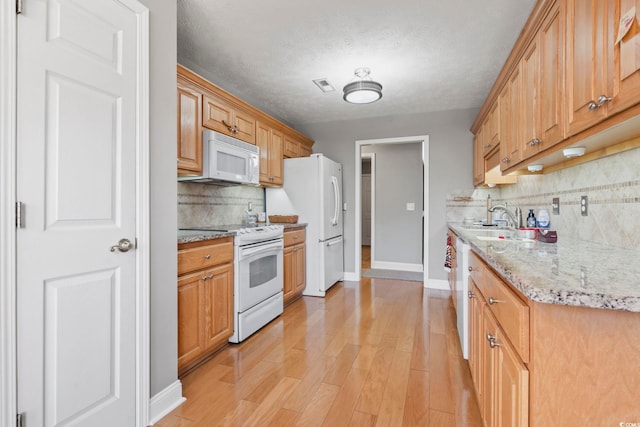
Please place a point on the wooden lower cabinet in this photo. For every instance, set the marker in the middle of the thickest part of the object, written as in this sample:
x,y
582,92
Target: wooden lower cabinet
x,y
294,264
205,300
578,365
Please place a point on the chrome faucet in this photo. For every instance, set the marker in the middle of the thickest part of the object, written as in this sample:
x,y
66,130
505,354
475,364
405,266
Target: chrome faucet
x,y
513,221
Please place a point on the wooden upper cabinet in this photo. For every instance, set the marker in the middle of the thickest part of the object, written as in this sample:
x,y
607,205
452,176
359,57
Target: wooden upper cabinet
x,y
304,150
189,130
478,158
492,128
625,84
291,147
529,120
270,141
228,119
586,74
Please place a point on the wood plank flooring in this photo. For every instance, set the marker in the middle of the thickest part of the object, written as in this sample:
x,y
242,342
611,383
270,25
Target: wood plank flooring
x,y
377,352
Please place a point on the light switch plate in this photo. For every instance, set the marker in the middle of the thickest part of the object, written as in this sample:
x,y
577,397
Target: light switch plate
x,y
411,206
584,205
555,205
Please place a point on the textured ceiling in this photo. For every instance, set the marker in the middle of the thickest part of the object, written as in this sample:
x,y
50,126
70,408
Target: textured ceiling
x,y
429,55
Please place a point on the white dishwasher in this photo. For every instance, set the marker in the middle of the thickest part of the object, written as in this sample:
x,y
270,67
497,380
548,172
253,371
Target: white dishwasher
x,y
462,289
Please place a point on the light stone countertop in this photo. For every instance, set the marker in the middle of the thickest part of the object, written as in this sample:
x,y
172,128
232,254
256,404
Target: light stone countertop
x,y
188,236
569,272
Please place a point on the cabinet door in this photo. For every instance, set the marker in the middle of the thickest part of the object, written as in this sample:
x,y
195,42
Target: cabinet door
x,y
625,89
291,147
276,158
476,339
515,119
263,136
505,128
289,274
586,54
512,387
218,115
492,130
304,150
529,118
190,328
478,158
300,268
551,88
490,372
217,314
245,125
189,131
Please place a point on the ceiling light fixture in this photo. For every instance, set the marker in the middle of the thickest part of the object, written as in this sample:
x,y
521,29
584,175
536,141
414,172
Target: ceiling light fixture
x,y
363,90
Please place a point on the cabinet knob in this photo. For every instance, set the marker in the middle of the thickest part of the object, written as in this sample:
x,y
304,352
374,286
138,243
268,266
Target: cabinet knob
x,y
494,344
534,142
204,277
471,294
210,276
207,256
491,337
470,268
505,160
487,146
493,301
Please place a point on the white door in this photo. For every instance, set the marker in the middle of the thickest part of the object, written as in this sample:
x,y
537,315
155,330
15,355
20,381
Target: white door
x,y
78,129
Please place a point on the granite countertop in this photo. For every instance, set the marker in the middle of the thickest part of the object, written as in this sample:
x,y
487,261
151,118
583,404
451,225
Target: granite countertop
x,y
188,236
569,272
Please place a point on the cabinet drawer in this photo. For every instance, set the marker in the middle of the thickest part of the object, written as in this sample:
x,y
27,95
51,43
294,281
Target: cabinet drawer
x,y
510,311
476,270
293,237
198,255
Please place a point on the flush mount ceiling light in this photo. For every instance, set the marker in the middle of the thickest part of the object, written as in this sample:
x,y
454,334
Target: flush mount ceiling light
x,y
573,152
362,90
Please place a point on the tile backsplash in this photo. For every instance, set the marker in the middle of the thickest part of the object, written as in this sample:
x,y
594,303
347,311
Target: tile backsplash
x,y
612,185
211,205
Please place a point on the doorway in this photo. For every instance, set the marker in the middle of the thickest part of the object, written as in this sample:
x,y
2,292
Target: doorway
x,y
417,265
367,201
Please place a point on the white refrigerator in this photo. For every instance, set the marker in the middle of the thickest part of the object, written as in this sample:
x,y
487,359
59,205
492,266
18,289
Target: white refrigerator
x,y
313,190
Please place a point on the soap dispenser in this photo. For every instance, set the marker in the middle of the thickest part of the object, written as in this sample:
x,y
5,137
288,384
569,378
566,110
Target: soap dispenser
x,y
531,219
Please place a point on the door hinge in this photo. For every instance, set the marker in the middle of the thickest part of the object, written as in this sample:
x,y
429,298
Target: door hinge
x,y
19,215
18,7
20,420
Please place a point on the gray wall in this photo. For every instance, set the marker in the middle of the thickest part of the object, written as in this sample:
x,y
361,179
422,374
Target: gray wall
x,y
398,181
450,165
163,204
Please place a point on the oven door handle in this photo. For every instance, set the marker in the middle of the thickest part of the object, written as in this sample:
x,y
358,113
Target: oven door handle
x,y
246,252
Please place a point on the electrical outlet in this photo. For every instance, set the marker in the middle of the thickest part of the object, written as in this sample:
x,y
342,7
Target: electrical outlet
x,y
584,205
555,204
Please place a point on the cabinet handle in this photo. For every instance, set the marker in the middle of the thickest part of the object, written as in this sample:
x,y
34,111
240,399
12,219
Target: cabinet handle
x,y
207,256
534,142
505,160
602,99
470,269
494,344
487,146
493,301
471,294
490,337
204,277
210,276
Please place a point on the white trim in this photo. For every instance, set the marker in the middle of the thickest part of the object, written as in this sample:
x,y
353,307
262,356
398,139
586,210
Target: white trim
x,y
401,266
350,276
424,139
143,300
439,284
165,401
8,107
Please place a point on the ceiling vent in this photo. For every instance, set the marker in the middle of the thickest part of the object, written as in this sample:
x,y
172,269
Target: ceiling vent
x,y
324,85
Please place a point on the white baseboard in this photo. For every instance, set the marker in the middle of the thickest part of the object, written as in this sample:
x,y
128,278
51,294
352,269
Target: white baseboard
x,y
351,276
165,401
385,265
439,284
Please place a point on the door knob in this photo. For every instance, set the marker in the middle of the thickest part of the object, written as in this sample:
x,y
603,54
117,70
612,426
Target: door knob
x,y
124,245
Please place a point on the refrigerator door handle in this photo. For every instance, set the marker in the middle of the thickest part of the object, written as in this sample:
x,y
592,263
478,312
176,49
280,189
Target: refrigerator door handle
x,y
336,200
334,242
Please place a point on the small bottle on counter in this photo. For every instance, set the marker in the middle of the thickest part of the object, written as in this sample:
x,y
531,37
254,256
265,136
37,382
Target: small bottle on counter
x,y
531,219
543,218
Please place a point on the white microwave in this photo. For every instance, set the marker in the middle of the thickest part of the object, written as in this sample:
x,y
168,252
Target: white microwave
x,y
227,161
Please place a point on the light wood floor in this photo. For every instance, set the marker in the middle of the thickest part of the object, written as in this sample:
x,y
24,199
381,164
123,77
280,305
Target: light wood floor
x,y
376,352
